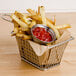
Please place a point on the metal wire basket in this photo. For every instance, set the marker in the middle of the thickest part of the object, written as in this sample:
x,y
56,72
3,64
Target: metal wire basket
x,y
54,53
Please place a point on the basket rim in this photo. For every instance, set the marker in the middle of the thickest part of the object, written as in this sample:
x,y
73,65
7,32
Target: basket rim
x,y
71,38
52,46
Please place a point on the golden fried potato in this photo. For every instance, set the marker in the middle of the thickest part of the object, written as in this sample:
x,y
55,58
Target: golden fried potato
x,y
22,24
32,12
23,36
22,17
53,28
65,26
42,14
37,17
54,20
50,21
32,24
38,11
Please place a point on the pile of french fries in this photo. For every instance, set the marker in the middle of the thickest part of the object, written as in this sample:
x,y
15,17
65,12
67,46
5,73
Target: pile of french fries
x,y
24,22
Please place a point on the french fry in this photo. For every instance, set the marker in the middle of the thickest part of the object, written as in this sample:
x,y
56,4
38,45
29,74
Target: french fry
x,y
27,37
42,14
32,24
22,29
32,12
53,28
21,32
13,33
65,26
23,36
54,20
26,14
15,30
50,21
48,44
36,17
38,11
15,23
22,24
22,17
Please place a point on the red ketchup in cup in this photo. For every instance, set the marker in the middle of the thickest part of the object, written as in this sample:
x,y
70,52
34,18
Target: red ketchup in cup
x,y
42,34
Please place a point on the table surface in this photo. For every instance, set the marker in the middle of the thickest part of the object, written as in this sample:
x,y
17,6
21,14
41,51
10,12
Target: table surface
x,y
11,64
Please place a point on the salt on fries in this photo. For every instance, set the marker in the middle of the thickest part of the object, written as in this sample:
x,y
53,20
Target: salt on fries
x,y
23,23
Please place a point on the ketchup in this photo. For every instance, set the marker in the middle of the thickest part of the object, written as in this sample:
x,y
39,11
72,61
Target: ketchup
x,y
42,34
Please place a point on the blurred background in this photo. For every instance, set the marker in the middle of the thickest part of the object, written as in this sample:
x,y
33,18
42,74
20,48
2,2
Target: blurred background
x,y
7,6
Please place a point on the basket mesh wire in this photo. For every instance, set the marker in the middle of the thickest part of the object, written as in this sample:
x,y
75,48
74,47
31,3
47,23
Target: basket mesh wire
x,y
50,58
